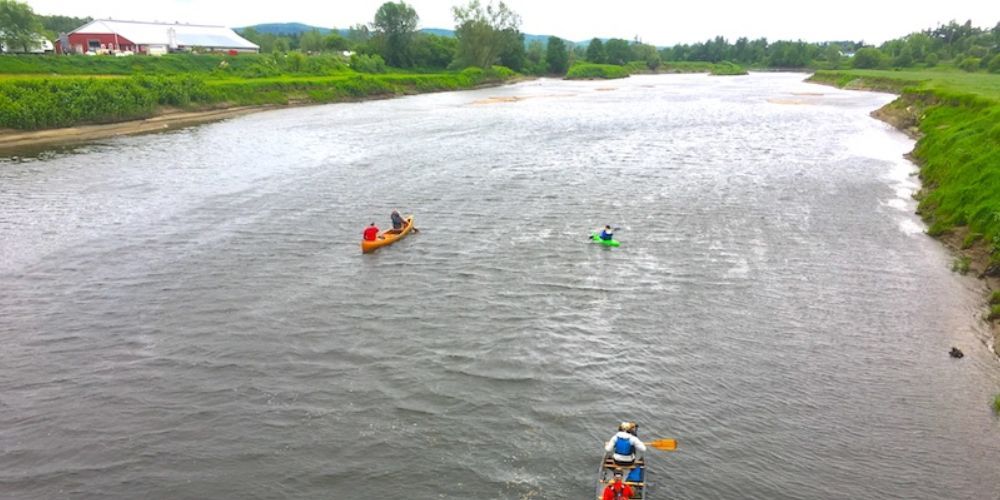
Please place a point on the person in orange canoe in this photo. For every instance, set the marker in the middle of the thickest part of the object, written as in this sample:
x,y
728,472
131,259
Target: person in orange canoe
x,y
371,232
398,222
617,489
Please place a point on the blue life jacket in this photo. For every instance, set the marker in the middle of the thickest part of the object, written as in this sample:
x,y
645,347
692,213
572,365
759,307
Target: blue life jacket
x,y
623,446
605,235
635,475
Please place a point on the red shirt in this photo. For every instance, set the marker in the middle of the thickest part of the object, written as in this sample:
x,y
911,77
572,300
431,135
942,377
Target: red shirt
x,y
371,233
622,488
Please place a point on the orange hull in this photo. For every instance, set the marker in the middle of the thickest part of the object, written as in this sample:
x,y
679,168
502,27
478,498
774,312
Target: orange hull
x,y
387,237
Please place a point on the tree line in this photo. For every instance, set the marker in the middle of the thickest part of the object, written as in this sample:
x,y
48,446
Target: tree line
x,y
489,34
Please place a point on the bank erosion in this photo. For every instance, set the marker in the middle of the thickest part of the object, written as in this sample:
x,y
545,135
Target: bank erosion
x,y
955,117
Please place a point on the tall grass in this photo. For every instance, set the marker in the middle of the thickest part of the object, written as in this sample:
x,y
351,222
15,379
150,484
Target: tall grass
x,y
210,65
38,103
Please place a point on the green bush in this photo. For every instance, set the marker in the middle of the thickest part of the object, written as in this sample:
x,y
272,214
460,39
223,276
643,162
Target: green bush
x,y
931,60
996,403
364,63
686,67
969,64
994,312
995,297
727,68
499,73
994,65
587,71
46,103
868,58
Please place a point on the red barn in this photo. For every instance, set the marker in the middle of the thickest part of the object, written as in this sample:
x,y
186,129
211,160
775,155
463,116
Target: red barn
x,y
109,36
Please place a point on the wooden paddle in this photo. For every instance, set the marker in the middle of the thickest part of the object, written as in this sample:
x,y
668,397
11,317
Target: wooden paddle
x,y
664,444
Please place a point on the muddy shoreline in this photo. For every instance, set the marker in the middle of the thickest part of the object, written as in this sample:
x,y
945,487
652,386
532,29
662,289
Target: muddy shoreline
x,y
904,114
14,143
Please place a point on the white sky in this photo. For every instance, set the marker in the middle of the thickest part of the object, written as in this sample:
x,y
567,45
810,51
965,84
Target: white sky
x,y
662,22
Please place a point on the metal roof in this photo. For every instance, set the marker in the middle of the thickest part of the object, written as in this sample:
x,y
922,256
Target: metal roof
x,y
177,34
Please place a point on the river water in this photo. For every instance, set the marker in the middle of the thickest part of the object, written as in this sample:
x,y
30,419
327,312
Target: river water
x,y
188,314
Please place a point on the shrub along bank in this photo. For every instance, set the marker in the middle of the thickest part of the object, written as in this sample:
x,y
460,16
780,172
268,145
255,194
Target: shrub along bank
x,y
37,103
589,71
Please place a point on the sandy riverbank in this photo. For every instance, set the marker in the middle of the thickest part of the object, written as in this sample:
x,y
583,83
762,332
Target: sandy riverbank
x,y
13,142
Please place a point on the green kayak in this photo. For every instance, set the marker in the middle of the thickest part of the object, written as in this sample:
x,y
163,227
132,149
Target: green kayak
x,y
608,243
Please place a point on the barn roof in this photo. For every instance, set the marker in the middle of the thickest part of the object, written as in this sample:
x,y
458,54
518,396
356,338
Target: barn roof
x,y
177,34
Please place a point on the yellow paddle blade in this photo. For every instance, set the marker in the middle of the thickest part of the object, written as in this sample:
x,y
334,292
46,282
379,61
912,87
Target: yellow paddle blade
x,y
664,444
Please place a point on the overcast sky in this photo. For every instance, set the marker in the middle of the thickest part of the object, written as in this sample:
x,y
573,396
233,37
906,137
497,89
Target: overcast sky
x,y
658,22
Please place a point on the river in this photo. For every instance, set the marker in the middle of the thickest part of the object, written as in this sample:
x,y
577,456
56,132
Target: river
x,y
188,314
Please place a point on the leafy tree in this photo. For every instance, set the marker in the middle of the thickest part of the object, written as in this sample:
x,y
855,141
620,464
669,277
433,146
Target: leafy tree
x,y
867,58
557,56
54,25
268,42
312,41
358,34
647,54
595,52
18,25
831,54
741,51
535,58
618,51
433,51
334,41
919,45
512,53
484,33
904,59
281,45
395,24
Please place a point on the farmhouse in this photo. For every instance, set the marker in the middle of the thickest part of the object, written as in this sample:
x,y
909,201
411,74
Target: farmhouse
x,y
107,36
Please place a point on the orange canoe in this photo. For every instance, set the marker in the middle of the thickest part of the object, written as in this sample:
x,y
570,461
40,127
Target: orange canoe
x,y
387,237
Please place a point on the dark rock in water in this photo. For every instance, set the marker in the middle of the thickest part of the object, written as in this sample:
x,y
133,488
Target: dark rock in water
x,y
956,353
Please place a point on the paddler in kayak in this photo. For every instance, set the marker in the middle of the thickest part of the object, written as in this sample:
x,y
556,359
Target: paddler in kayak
x,y
371,232
398,222
624,444
607,234
617,489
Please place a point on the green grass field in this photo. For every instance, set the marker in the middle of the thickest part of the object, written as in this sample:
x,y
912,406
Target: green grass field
x,y
943,79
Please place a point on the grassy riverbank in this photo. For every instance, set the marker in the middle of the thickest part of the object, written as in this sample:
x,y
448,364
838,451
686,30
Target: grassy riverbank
x,y
589,71
956,118
100,90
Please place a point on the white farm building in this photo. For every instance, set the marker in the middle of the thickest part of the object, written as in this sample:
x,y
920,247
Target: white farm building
x,y
103,36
